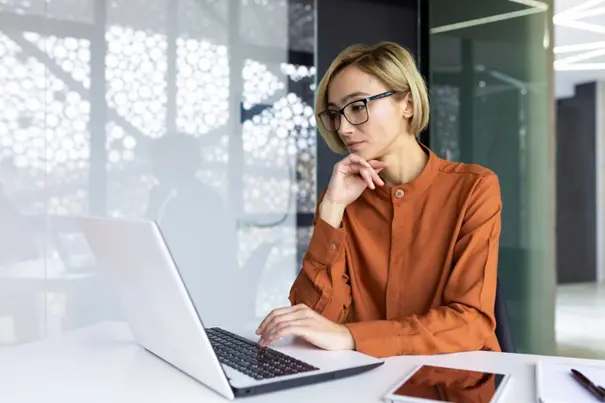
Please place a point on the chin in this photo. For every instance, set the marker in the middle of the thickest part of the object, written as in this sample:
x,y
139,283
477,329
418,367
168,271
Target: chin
x,y
359,153
365,154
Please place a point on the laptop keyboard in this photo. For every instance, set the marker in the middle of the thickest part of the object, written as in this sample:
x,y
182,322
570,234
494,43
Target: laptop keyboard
x,y
251,359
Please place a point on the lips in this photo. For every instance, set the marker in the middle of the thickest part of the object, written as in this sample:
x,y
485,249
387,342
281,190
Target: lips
x,y
354,144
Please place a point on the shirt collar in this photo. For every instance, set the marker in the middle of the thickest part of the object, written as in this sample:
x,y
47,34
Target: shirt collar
x,y
417,186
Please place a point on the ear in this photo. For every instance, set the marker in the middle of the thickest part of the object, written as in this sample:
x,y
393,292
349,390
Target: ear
x,y
407,106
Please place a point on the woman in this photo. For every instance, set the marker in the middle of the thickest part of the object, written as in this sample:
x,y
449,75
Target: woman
x,y
404,251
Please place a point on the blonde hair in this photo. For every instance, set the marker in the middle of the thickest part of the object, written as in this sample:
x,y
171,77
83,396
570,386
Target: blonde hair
x,y
390,63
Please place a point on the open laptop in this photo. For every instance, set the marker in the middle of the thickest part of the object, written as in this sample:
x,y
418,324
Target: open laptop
x,y
164,320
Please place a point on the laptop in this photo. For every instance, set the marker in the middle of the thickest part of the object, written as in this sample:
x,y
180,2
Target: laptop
x,y
164,320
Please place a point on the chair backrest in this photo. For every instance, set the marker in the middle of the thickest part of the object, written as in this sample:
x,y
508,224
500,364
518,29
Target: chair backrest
x,y
503,330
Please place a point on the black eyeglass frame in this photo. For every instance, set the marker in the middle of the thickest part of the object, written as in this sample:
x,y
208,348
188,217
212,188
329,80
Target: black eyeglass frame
x,y
341,111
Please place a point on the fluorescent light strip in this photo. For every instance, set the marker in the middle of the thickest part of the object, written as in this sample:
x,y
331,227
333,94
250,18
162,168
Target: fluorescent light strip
x,y
581,7
532,3
579,25
581,66
508,79
580,57
579,47
485,20
583,14
538,6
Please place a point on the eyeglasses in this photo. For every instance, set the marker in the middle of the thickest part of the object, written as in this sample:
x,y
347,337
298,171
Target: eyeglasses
x,y
356,112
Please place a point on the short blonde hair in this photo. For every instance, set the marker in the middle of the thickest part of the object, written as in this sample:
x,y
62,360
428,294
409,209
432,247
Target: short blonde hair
x,y
390,63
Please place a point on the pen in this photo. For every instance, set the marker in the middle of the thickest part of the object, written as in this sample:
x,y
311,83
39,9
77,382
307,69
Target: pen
x,y
596,390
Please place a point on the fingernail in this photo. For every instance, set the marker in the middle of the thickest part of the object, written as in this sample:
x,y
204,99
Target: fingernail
x,y
257,331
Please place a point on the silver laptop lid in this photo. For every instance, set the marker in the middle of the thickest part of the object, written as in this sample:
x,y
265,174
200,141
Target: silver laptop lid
x,y
153,296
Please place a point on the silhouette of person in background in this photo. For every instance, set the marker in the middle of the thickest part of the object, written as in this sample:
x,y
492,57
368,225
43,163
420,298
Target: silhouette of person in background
x,y
197,227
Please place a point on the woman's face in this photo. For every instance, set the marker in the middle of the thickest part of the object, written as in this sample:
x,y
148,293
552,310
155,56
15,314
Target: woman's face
x,y
387,117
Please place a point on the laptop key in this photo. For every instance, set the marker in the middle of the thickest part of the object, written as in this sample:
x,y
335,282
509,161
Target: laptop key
x,y
249,358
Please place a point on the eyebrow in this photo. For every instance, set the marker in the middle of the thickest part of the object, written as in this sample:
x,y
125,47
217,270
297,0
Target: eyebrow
x,y
349,96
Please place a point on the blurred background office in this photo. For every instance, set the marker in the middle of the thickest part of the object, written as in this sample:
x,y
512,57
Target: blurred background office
x,y
198,114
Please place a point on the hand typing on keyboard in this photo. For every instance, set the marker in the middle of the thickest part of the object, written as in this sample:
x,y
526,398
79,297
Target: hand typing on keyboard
x,y
247,357
302,321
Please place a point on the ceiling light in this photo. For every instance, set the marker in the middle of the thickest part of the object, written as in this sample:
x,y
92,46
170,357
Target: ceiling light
x,y
583,14
570,12
580,57
581,66
532,3
485,20
579,47
535,7
558,20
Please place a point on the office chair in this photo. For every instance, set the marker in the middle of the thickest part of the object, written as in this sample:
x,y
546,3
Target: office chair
x,y
503,331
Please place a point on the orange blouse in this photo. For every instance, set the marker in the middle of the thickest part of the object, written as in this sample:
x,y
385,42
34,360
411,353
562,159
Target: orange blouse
x,y
412,269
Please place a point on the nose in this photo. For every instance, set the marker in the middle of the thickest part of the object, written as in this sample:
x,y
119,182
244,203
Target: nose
x,y
346,128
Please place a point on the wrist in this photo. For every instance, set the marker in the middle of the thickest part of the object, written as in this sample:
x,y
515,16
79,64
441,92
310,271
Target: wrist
x,y
349,343
331,213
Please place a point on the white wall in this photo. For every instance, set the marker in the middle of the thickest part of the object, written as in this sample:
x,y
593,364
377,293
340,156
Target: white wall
x,y
88,88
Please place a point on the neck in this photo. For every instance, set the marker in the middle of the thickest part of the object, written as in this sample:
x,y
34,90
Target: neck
x,y
405,161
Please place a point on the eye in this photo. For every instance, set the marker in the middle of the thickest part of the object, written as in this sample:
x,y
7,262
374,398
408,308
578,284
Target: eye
x,y
358,107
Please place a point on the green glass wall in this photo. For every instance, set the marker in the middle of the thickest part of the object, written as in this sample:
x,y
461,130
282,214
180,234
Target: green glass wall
x,y
491,81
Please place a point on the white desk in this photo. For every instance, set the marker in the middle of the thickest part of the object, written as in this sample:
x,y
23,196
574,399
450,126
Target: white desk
x,y
103,364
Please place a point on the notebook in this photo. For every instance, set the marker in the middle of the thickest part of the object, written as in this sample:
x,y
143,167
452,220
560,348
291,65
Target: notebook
x,y
555,384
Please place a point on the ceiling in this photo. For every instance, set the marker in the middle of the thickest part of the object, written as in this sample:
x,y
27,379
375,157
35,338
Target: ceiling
x,y
579,43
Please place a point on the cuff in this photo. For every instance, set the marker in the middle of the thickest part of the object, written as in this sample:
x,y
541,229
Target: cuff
x,y
326,242
375,338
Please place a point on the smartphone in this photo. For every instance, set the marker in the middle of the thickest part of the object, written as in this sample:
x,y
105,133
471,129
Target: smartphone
x,y
429,383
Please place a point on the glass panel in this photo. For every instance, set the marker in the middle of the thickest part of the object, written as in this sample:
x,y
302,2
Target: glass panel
x,y
74,10
194,113
27,86
491,79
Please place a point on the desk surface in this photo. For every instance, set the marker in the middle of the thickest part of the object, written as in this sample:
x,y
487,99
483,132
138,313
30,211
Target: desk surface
x,y
103,364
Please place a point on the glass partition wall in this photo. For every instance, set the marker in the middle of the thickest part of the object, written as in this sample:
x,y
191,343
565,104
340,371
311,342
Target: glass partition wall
x,y
194,113
491,87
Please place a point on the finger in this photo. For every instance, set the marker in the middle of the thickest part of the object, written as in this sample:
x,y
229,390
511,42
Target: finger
x,y
294,313
364,172
276,313
281,320
270,316
372,164
357,159
300,328
296,321
377,179
353,168
367,175
377,164
352,164
377,167
370,175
